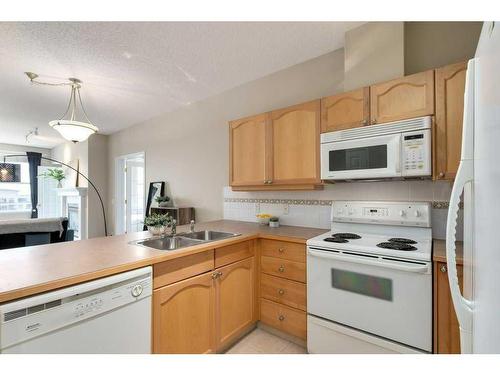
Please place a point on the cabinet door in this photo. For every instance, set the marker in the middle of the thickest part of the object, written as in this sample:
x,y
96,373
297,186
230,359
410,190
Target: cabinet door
x,y
295,144
183,316
450,87
446,328
236,300
402,98
345,111
248,146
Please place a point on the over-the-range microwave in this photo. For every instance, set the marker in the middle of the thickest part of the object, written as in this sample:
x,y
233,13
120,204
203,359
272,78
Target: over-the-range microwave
x,y
399,149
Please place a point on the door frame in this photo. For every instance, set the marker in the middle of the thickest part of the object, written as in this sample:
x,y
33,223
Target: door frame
x,y
120,224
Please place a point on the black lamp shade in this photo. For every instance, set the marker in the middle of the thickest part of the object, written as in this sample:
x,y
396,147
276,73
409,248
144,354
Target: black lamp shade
x,y
10,172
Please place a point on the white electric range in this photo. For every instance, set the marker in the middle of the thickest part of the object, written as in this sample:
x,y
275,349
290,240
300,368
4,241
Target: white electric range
x,y
369,280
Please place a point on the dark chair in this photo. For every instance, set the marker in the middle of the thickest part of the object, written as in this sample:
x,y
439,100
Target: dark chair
x,y
13,240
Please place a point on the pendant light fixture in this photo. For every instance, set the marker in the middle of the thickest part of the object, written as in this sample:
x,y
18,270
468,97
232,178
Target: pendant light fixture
x,y
68,125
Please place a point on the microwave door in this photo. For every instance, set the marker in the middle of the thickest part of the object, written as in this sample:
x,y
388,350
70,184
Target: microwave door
x,y
375,157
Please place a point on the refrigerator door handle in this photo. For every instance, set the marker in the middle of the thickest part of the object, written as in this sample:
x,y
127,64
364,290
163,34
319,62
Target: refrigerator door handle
x,y
465,175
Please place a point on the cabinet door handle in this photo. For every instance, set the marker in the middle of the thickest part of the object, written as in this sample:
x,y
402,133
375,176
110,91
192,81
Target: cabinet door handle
x,y
281,269
441,174
281,292
215,275
443,269
281,250
281,318
374,121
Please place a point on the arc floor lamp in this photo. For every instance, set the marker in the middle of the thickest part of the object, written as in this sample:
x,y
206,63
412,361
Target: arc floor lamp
x,y
77,171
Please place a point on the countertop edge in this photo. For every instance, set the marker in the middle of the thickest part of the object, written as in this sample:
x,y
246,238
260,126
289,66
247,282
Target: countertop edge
x,y
15,294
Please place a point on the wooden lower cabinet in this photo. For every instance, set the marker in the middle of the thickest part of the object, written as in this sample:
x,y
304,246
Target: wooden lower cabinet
x,y
284,318
184,316
236,299
208,312
446,328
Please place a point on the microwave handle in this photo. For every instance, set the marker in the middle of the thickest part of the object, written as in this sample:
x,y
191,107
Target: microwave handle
x,y
417,268
398,153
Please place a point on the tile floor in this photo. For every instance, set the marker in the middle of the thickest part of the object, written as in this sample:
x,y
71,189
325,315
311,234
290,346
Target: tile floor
x,y
261,342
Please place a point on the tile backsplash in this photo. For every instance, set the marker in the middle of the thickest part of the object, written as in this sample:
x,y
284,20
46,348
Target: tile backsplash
x,y
312,208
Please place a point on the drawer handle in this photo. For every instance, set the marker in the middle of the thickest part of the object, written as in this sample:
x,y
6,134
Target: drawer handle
x,y
281,292
281,250
281,318
281,269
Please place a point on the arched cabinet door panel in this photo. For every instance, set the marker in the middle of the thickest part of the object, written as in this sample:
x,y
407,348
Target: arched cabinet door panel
x,y
450,89
345,111
249,154
295,144
184,316
403,98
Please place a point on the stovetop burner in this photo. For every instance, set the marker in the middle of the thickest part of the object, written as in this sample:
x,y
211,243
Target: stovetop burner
x,y
336,240
396,246
403,240
346,236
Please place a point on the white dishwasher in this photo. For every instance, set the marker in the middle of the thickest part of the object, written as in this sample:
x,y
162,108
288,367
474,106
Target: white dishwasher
x,y
108,315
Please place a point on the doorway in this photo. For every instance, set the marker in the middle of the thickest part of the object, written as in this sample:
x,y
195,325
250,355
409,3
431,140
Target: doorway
x,y
129,193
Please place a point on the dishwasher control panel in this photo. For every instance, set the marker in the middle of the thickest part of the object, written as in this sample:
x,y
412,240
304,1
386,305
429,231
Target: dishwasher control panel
x,y
25,319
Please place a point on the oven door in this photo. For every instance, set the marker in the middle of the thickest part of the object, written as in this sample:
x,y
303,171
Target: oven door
x,y
374,157
388,298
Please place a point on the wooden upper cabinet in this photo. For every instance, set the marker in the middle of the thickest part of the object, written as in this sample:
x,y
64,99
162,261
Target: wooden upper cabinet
x,y
345,111
402,98
183,317
450,88
236,300
295,144
446,327
248,151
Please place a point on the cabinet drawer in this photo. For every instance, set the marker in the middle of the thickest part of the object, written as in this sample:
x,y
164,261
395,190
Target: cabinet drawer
x,y
233,253
284,268
283,291
174,270
283,250
284,318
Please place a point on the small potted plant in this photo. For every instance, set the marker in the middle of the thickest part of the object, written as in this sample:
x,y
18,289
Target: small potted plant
x,y
274,222
56,174
263,219
163,201
157,223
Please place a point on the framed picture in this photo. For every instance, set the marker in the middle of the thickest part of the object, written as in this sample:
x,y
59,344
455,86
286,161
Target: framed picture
x,y
156,189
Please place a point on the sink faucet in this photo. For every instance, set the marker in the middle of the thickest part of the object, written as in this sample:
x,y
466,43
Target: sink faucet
x,y
174,227
192,226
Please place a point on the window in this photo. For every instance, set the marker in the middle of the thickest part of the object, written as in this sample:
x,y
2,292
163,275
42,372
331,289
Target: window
x,y
15,196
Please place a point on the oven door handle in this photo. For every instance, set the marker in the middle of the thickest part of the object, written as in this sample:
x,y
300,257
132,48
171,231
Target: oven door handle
x,y
417,268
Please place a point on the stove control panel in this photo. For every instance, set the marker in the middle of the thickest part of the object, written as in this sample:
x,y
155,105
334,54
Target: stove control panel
x,y
388,213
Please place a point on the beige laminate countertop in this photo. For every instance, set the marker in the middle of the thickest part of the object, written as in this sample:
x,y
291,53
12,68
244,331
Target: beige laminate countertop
x,y
439,251
35,269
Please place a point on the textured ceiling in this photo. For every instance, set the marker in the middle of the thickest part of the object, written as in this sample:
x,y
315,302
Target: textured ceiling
x,y
134,71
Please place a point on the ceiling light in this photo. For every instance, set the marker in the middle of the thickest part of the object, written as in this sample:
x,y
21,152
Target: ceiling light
x,y
68,125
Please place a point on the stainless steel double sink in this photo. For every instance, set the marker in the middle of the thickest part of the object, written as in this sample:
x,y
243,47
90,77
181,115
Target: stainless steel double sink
x,y
183,239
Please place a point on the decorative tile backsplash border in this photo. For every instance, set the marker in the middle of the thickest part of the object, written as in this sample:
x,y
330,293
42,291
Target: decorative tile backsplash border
x,y
313,202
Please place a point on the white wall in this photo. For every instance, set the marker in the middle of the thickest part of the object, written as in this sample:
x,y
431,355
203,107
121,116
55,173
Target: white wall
x,y
374,52
189,148
93,156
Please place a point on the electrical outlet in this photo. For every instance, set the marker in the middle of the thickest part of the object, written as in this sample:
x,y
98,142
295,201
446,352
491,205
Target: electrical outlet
x,y
257,208
286,207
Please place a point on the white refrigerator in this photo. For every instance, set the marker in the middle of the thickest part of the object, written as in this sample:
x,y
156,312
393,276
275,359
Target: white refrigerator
x,y
478,183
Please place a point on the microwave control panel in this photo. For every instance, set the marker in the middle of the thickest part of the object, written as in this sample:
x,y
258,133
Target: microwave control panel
x,y
416,153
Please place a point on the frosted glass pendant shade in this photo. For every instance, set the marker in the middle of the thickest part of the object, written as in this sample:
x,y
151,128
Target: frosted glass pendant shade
x,y
74,131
